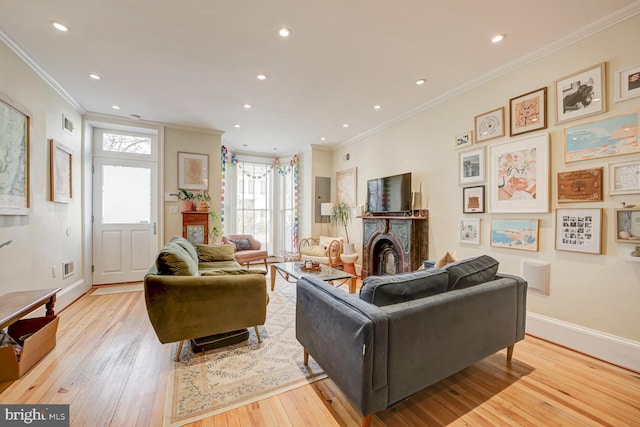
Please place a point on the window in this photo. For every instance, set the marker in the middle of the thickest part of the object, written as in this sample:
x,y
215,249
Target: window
x,y
261,200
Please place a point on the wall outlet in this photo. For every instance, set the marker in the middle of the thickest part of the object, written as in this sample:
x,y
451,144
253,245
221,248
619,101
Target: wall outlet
x,y
173,210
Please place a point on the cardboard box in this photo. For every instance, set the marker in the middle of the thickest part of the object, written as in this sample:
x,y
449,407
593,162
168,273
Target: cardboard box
x,y
34,348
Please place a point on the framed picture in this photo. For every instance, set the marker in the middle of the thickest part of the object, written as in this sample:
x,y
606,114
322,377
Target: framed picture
x,y
613,136
528,112
470,231
624,178
580,186
489,125
579,230
627,83
193,171
472,166
519,175
60,172
15,125
346,186
473,199
464,140
515,234
581,94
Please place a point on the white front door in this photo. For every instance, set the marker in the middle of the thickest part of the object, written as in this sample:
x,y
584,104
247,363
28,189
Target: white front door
x,y
125,204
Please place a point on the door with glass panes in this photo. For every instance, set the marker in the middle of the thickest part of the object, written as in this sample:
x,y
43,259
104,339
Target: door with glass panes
x,y
125,237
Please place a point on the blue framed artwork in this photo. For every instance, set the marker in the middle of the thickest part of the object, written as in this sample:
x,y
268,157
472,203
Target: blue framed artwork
x,y
515,234
614,136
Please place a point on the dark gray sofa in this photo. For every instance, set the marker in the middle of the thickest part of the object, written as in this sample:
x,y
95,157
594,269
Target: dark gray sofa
x,y
408,331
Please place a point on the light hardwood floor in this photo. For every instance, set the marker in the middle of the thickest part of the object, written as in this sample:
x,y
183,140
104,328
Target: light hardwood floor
x,y
111,369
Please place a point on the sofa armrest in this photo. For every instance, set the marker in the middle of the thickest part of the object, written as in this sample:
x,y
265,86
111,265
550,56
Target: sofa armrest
x,y
348,339
187,307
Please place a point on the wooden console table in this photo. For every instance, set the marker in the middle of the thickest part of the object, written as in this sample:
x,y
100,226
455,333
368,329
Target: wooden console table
x,y
16,305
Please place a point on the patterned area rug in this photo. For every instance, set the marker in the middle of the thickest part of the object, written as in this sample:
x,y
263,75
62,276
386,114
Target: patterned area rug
x,y
205,384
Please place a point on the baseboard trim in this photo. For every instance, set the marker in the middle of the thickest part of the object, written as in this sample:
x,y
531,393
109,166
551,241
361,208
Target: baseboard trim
x,y
71,293
610,348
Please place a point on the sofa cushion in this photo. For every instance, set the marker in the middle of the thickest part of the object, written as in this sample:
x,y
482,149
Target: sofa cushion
x,y
191,250
174,260
315,250
208,253
393,289
471,271
241,244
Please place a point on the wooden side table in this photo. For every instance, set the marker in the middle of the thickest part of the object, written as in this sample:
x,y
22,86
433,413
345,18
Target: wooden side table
x,y
16,305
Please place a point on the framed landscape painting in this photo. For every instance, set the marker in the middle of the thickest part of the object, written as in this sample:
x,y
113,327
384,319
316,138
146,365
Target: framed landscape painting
x,y
15,126
581,94
613,136
515,234
519,176
60,168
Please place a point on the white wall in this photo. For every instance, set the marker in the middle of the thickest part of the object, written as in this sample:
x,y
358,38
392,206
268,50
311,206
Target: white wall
x,y
52,232
597,293
189,140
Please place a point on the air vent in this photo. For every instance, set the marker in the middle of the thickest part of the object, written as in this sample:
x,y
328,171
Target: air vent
x,y
67,268
67,124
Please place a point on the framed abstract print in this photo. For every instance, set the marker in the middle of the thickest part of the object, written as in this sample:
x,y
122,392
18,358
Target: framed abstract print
x,y
528,112
519,175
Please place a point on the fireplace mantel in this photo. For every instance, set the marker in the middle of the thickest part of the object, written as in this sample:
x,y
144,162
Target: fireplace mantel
x,y
394,244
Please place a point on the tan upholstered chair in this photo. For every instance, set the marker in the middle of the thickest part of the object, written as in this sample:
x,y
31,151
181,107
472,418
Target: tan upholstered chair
x,y
252,253
325,250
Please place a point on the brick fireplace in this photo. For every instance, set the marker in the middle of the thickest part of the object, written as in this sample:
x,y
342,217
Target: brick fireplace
x,y
394,244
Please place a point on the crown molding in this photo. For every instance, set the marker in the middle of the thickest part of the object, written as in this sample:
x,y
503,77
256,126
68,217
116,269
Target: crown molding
x,y
35,66
586,31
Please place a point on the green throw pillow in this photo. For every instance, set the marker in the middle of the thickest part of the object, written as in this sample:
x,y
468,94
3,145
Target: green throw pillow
x,y
174,260
208,253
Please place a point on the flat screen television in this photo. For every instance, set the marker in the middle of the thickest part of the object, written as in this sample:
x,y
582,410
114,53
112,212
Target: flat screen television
x,y
389,194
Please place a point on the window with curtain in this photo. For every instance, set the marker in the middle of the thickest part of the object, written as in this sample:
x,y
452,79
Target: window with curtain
x,y
260,198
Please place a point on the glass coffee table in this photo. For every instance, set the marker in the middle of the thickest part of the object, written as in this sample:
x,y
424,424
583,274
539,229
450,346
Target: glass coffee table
x,y
295,270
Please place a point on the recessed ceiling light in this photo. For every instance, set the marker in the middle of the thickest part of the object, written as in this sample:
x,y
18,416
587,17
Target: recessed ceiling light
x,y
497,38
376,107
420,82
323,139
247,106
60,27
115,107
94,76
275,149
135,116
261,77
346,125
284,32
236,125
245,145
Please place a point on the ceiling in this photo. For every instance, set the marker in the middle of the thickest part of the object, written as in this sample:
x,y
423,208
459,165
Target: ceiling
x,y
194,62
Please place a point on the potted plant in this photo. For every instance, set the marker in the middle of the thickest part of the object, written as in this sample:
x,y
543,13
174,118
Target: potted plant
x,y
214,222
203,201
187,198
341,213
